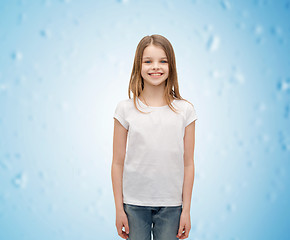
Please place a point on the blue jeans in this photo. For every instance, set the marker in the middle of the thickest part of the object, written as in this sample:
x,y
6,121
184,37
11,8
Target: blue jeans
x,y
162,221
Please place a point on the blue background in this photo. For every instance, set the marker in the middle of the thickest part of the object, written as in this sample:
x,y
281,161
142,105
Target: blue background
x,y
64,66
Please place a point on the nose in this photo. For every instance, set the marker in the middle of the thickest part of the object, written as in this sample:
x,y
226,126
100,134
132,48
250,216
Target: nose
x,y
155,66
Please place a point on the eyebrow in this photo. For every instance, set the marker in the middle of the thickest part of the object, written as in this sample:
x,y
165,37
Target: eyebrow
x,y
160,58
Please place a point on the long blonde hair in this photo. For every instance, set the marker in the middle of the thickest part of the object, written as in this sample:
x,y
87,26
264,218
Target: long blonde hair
x,y
136,84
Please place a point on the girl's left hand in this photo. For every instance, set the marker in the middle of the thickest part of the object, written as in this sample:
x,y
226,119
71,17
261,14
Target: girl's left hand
x,y
184,225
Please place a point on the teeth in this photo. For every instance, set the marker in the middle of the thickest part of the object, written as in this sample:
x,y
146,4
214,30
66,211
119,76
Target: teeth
x,y
155,74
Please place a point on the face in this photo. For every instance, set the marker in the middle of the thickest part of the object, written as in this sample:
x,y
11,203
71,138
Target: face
x,y
154,60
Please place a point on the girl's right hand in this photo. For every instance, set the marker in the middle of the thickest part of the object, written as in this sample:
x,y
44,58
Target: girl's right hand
x,y
122,221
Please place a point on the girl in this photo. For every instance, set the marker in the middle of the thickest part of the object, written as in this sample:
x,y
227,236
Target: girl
x,y
152,175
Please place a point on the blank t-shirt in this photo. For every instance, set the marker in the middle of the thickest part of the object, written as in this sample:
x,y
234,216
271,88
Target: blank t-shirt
x,y
154,162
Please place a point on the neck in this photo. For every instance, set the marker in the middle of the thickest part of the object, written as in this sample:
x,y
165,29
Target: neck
x,y
153,96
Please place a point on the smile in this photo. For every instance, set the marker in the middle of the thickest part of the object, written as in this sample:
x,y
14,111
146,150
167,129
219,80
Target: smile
x,y
155,74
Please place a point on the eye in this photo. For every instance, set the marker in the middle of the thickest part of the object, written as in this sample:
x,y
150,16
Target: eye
x,y
163,61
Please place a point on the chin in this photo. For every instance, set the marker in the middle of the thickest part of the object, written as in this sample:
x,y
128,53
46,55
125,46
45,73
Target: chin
x,y
157,83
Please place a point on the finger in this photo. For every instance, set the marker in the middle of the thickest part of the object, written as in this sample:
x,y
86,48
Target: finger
x,y
126,227
180,230
187,230
121,232
180,237
180,233
124,235
185,234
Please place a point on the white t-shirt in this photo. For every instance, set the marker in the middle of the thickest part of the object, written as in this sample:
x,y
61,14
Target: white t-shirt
x,y
154,162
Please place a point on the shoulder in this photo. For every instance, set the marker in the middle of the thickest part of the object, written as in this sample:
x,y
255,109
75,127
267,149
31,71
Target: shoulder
x,y
123,103
188,110
185,105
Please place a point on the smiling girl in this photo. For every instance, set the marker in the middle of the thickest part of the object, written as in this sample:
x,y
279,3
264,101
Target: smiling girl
x,y
153,149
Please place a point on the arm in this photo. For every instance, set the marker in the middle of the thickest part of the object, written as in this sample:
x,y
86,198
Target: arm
x,y
189,141
119,151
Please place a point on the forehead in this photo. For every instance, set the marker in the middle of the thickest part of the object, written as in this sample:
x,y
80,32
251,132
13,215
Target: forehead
x,y
152,51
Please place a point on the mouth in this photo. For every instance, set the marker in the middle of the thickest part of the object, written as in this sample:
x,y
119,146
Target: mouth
x,y
155,74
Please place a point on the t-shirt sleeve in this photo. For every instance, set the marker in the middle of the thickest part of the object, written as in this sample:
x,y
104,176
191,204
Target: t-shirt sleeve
x,y
190,114
120,115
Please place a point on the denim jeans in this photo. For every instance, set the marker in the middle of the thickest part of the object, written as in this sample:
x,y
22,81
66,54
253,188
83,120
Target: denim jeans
x,y
162,221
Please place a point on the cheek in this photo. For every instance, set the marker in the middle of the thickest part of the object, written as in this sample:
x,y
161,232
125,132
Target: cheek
x,y
143,72
167,69
144,69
